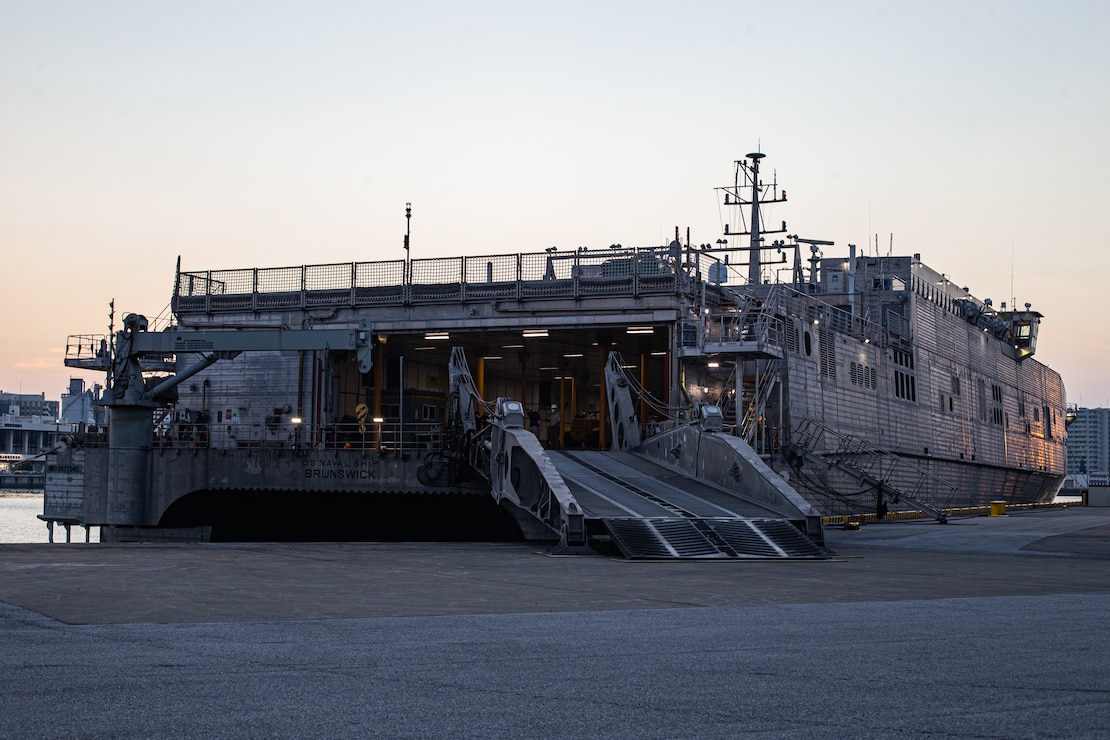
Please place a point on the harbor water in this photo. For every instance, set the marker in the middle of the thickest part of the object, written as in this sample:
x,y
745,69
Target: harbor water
x,y
19,522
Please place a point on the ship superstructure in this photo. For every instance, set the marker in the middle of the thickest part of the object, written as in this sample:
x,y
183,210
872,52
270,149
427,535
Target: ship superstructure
x,y
886,377
862,383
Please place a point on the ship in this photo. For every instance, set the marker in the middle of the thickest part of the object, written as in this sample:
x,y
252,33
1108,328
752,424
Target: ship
x,y
808,385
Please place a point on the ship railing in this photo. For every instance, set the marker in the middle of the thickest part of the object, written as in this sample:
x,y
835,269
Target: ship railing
x,y
90,435
383,437
88,351
93,352
901,478
575,274
164,321
822,314
751,324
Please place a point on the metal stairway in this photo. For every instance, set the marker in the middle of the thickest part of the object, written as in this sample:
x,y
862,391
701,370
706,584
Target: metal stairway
x,y
868,464
762,386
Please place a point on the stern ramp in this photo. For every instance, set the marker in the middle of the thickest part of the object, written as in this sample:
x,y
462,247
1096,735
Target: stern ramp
x,y
690,492
651,511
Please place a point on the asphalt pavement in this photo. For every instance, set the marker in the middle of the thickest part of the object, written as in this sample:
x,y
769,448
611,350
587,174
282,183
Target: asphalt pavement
x,y
983,627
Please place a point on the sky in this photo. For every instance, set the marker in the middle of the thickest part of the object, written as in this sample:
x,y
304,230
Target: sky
x,y
242,134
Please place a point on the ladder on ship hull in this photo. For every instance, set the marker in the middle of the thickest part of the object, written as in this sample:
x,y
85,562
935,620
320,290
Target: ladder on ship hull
x,y
867,464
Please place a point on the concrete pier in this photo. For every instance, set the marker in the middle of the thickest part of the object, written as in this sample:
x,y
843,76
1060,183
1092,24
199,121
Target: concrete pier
x,y
988,626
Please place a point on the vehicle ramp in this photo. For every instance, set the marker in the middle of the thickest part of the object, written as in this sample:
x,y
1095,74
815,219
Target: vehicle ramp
x,y
652,511
687,492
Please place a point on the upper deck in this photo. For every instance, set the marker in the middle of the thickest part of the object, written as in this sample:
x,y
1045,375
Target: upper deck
x,y
518,277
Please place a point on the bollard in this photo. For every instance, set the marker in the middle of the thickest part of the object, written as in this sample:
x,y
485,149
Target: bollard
x,y
998,508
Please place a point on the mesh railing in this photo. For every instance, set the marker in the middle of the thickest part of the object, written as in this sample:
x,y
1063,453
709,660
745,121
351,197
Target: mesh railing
x,y
379,274
538,275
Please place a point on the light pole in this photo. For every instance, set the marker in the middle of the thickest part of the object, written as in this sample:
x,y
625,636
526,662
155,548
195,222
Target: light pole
x,y
408,232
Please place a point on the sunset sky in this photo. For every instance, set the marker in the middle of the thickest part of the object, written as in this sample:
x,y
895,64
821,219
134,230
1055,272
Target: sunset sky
x,y
239,134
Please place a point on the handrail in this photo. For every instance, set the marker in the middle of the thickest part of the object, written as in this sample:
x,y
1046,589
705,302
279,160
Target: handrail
x,y
384,437
538,275
873,463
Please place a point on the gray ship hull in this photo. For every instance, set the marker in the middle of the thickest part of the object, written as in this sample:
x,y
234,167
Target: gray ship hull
x,y
870,383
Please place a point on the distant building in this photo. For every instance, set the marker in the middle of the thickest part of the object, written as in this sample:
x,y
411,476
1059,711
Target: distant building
x,y
28,404
28,425
1089,443
79,405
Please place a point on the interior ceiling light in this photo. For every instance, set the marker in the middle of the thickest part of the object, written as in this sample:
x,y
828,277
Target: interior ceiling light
x,y
424,348
549,368
492,357
512,346
578,354
534,333
714,364
658,354
639,330
434,335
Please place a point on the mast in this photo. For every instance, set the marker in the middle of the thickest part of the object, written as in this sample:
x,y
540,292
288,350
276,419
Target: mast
x,y
738,194
754,262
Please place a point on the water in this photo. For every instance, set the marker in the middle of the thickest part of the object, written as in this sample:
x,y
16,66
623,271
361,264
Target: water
x,y
19,510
